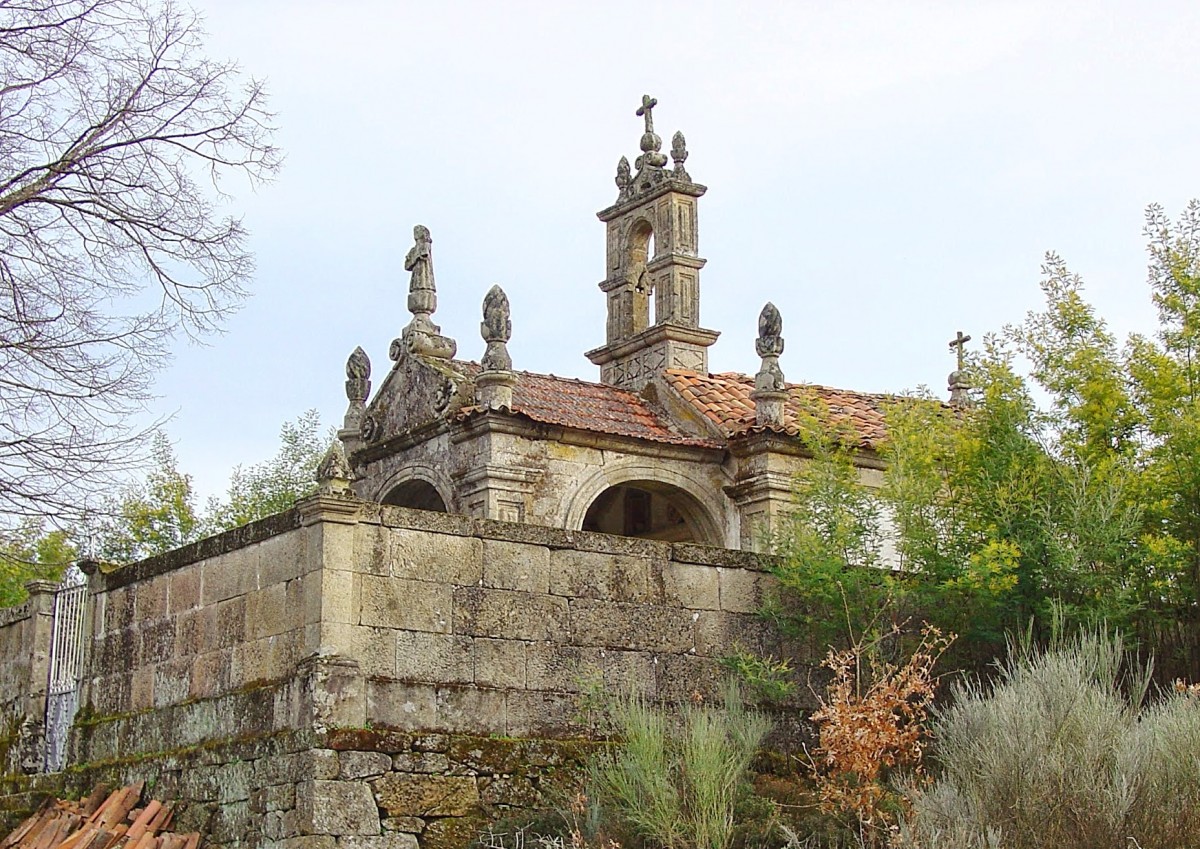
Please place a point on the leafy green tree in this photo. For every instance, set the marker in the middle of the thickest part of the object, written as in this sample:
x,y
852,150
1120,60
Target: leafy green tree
x,y
1089,504
272,486
150,517
30,552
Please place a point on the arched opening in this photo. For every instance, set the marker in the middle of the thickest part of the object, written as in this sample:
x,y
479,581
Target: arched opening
x,y
418,494
641,252
649,510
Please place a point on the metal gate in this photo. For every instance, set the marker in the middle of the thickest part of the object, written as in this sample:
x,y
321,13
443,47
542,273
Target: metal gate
x,y
66,662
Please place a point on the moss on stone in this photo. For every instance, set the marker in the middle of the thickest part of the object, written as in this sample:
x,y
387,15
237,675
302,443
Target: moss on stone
x,y
368,740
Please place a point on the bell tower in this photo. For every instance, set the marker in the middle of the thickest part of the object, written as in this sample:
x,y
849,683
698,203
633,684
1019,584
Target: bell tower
x,y
652,261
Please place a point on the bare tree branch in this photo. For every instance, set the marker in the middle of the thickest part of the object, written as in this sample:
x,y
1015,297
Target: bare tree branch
x,y
115,131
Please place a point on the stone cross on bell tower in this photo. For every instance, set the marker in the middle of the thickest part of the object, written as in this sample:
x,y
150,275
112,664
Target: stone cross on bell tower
x,y
652,277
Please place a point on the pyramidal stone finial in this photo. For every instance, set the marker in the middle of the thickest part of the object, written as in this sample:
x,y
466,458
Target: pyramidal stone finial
x,y
494,383
422,336
496,329
333,472
624,179
770,390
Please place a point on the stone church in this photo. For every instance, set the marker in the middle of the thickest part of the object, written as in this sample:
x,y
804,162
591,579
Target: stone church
x,y
660,448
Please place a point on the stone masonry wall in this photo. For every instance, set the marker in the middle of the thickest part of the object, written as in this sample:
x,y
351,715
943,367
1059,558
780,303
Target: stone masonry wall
x,y
352,676
210,618
24,654
468,625
16,658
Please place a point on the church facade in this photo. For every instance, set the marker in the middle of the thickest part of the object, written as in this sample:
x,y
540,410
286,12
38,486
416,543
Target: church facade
x,y
659,448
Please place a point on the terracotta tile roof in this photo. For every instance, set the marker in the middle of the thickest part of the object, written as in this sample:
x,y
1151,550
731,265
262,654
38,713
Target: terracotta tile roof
x,y
724,399
596,407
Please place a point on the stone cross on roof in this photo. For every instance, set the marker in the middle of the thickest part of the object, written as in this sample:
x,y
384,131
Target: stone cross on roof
x,y
645,111
650,143
958,387
960,342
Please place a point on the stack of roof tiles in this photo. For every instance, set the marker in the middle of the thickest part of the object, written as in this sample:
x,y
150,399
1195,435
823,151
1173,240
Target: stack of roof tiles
x,y
101,821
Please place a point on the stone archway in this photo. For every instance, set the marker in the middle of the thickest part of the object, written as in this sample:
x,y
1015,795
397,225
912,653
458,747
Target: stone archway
x,y
634,497
647,510
416,493
418,486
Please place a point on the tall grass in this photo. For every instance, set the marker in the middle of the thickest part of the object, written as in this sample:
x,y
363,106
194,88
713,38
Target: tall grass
x,y
1061,751
672,780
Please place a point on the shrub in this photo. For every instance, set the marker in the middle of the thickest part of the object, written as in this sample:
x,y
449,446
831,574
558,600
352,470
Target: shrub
x,y
673,781
870,723
1060,752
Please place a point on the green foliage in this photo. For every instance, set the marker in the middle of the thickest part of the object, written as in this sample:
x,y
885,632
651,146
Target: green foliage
x,y
150,517
1061,752
831,536
674,781
768,679
273,486
31,552
1001,511
159,513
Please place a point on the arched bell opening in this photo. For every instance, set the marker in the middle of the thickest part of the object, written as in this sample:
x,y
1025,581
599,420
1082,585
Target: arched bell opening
x,y
641,252
417,494
651,510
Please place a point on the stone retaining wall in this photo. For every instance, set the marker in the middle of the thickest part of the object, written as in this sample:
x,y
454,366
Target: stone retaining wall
x,y
352,675
24,655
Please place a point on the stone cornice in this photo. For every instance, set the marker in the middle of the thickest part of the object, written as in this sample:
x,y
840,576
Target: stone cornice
x,y
763,441
667,186
204,549
400,442
651,336
516,424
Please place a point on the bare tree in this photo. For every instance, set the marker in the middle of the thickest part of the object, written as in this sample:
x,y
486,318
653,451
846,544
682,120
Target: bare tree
x,y
115,130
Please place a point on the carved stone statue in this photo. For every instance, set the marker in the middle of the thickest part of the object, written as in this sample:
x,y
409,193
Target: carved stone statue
x,y
422,290
770,390
496,328
422,336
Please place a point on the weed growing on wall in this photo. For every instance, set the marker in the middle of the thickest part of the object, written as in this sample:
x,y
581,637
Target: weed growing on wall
x,y
673,778
871,723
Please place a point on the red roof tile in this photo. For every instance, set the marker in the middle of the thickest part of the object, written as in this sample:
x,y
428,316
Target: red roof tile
x,y
589,406
724,399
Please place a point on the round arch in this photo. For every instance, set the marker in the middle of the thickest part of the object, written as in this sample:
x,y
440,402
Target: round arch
x,y
700,509
419,486
639,241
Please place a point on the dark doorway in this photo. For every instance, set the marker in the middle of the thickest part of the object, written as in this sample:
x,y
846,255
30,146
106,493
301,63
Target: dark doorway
x,y
417,494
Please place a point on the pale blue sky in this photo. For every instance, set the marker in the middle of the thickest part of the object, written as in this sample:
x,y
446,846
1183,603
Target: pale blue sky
x,y
886,173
